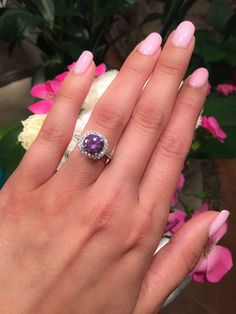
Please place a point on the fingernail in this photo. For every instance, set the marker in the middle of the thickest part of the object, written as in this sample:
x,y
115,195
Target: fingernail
x,y
150,45
218,222
83,63
183,34
198,78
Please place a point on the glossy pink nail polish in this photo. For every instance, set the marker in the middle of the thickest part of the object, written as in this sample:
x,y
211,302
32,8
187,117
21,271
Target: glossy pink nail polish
x,y
218,222
183,34
83,63
198,78
150,45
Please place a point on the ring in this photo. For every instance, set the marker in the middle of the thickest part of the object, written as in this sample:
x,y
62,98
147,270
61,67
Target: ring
x,y
93,144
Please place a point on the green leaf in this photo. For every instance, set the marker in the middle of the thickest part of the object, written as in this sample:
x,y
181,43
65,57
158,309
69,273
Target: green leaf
x,y
14,159
207,47
11,151
219,14
72,48
47,9
16,24
222,108
230,50
230,27
4,131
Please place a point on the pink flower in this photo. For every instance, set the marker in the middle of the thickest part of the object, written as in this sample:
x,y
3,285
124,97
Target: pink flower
x,y
226,89
215,262
101,69
176,220
46,91
180,185
213,127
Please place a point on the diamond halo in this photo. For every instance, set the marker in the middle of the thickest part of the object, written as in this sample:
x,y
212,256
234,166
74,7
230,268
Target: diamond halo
x,y
93,144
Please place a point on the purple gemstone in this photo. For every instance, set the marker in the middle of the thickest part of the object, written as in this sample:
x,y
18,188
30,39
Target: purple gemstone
x,y
93,144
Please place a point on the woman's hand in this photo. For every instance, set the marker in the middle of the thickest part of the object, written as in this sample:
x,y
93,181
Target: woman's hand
x,y
82,239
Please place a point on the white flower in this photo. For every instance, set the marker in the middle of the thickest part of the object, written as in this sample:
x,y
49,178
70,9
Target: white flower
x,y
31,128
100,84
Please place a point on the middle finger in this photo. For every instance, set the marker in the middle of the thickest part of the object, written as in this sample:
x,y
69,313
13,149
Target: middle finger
x,y
155,105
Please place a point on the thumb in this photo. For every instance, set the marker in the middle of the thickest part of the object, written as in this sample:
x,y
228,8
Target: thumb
x,y
175,261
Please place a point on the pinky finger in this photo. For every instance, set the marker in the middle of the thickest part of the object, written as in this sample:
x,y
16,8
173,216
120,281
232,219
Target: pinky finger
x,y
174,262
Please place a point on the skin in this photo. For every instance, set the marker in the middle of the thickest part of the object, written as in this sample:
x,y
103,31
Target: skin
x,y
82,239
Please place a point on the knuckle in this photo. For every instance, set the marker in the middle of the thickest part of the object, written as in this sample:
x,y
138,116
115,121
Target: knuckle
x,y
150,115
173,145
189,105
100,217
50,133
135,69
141,231
109,118
169,68
65,98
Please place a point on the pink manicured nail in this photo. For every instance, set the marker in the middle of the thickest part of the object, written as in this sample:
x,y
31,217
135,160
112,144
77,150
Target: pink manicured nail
x,y
83,63
218,222
183,34
198,78
150,45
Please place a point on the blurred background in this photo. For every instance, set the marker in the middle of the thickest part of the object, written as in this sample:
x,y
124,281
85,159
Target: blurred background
x,y
40,38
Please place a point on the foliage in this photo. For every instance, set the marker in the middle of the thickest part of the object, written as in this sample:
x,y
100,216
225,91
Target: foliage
x,y
63,28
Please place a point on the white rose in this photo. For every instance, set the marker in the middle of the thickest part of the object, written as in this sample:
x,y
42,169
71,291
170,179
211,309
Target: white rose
x,y
100,84
31,128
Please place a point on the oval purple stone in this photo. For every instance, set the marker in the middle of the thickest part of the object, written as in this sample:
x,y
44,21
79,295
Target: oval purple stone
x,y
93,144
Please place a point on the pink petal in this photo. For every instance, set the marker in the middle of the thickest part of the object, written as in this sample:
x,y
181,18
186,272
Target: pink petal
x,y
199,272
201,266
219,234
213,127
41,90
41,107
54,86
176,220
199,277
100,69
61,77
219,263
225,89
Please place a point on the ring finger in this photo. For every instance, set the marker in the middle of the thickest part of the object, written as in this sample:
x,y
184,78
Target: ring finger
x,y
113,110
